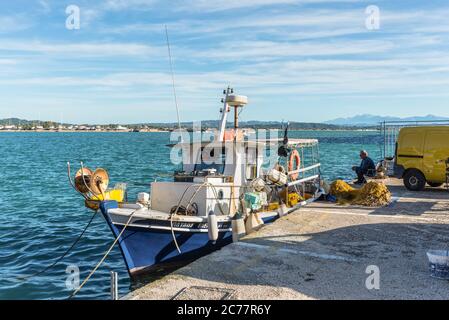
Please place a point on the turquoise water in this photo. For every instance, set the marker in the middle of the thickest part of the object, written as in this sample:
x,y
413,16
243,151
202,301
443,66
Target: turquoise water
x,y
41,215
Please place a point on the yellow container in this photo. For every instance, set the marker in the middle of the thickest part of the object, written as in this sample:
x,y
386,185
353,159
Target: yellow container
x,y
114,194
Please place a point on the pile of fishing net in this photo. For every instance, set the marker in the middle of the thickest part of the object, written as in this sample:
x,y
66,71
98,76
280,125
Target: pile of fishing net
x,y
372,194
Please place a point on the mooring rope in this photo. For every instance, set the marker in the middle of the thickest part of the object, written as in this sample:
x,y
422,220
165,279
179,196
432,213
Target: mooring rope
x,y
105,255
176,212
64,254
204,184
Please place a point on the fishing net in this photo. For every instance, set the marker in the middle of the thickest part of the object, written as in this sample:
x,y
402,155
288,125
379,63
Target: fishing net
x,y
339,187
372,194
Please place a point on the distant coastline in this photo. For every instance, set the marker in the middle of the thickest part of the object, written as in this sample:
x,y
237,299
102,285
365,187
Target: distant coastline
x,y
167,130
21,125
85,131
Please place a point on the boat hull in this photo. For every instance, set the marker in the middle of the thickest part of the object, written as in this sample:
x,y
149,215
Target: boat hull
x,y
145,249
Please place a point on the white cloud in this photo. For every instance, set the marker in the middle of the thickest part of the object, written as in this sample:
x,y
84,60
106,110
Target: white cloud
x,y
8,62
266,50
128,4
329,20
213,6
204,5
344,76
14,23
103,49
45,6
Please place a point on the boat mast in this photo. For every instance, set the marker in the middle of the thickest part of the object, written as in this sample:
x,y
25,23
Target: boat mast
x,y
224,114
231,100
173,79
236,118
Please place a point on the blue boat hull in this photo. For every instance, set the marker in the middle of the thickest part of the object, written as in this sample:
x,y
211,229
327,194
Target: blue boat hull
x,y
145,249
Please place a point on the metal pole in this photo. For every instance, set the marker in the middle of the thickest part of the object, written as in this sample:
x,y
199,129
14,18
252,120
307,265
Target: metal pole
x,y
236,118
385,138
114,285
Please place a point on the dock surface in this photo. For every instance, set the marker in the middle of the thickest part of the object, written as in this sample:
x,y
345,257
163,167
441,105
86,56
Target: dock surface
x,y
325,251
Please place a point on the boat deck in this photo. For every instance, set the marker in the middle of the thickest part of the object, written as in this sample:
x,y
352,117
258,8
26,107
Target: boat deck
x,y
322,251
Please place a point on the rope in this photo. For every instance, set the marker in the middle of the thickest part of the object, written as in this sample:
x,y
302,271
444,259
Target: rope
x,y
84,180
189,204
64,254
174,213
71,182
104,256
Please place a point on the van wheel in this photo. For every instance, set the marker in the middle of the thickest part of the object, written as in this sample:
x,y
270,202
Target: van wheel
x,y
414,180
434,184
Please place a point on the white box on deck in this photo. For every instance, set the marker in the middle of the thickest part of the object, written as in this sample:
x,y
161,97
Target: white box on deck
x,y
166,195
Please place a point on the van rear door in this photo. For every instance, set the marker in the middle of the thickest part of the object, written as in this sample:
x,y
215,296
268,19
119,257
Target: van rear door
x,y
436,152
409,154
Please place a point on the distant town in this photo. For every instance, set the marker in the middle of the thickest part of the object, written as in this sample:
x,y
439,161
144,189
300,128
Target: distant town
x,y
15,124
71,128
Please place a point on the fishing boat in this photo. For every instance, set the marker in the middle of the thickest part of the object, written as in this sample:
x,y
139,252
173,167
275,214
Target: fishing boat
x,y
224,188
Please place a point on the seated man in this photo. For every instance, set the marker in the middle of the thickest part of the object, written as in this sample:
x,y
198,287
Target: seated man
x,y
367,167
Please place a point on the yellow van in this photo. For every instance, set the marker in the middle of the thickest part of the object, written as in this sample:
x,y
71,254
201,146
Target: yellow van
x,y
421,156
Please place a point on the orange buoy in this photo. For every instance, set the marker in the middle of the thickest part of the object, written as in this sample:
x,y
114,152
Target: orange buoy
x,y
294,157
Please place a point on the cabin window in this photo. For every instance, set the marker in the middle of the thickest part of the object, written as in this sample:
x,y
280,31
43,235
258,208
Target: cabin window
x,y
212,158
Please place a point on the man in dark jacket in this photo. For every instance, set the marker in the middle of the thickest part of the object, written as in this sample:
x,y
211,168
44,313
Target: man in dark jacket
x,y
367,167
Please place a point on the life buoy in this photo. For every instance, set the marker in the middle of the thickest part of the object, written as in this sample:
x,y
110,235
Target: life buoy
x,y
294,157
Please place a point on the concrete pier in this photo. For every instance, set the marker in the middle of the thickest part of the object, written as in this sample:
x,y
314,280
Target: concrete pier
x,y
326,251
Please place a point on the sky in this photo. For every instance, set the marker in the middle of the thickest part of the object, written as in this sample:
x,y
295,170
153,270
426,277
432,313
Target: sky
x,y
298,60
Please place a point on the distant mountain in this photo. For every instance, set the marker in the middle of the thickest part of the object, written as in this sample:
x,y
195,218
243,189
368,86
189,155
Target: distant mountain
x,y
370,120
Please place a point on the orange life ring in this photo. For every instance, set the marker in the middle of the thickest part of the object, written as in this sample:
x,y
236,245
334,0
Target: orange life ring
x,y
294,157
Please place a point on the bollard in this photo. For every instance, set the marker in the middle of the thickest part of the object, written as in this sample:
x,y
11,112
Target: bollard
x,y
114,285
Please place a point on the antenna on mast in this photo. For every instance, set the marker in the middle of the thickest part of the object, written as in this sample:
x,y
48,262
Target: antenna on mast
x,y
173,79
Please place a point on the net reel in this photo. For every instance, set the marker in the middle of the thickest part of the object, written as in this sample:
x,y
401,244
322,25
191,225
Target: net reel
x,y
88,182
83,178
93,186
100,181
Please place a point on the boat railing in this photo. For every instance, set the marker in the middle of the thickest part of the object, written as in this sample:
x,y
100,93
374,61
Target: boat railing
x,y
301,170
302,180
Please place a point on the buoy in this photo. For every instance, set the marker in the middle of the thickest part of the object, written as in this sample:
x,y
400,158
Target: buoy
x,y
294,164
259,219
252,223
212,226
238,227
283,210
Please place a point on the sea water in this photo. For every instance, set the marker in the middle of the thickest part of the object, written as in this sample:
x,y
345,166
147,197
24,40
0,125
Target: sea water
x,y
41,215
